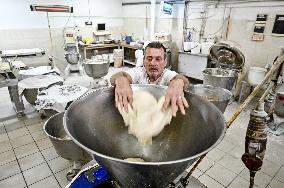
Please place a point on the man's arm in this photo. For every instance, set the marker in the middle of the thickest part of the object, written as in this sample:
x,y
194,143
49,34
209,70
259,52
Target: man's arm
x,y
184,79
123,91
175,94
120,74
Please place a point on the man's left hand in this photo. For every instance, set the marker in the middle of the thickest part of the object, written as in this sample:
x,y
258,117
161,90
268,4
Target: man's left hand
x,y
175,97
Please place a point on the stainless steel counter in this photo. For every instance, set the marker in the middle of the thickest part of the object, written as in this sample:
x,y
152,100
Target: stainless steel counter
x,y
192,65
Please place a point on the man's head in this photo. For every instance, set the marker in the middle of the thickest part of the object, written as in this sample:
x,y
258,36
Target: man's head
x,y
155,60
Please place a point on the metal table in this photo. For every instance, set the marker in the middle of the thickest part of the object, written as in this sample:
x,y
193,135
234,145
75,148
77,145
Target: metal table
x,y
9,76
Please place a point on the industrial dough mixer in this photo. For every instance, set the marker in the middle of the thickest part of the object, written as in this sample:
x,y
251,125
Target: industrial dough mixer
x,y
95,124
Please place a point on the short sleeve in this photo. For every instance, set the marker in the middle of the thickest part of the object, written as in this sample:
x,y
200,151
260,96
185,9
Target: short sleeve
x,y
169,75
135,74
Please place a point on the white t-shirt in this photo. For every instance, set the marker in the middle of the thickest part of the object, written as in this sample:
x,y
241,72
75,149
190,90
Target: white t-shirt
x,y
139,76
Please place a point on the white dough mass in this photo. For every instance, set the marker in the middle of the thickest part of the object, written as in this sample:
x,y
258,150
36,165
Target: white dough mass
x,y
145,119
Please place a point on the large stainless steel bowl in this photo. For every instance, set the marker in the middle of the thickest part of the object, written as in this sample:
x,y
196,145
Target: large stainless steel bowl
x,y
63,144
72,57
219,77
220,97
96,69
31,95
95,124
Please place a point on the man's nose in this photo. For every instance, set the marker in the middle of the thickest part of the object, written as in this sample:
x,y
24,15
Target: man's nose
x,y
152,62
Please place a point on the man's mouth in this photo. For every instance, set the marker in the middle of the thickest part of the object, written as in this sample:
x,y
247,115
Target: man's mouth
x,y
153,69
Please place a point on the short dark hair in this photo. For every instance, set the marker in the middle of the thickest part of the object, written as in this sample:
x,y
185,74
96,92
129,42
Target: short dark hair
x,y
157,45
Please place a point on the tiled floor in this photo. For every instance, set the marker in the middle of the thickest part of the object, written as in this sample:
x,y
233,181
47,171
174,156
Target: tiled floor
x,y
28,159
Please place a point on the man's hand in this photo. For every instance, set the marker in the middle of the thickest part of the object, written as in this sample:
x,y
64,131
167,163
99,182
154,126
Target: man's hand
x,y
123,92
175,96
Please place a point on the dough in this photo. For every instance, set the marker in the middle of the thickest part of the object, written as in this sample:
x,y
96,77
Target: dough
x,y
145,119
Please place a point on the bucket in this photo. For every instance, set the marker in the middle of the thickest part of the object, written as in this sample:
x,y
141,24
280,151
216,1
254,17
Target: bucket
x,y
219,77
195,47
187,46
256,75
220,97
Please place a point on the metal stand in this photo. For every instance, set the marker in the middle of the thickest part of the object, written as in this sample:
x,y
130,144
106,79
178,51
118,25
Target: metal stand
x,y
17,102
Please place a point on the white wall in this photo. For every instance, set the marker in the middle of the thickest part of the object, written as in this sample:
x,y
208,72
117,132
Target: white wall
x,y
22,28
241,24
19,16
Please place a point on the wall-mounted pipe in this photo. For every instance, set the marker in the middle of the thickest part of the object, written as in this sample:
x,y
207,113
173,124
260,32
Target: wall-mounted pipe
x,y
153,12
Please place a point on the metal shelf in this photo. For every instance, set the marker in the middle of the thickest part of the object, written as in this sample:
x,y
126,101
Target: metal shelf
x,y
129,62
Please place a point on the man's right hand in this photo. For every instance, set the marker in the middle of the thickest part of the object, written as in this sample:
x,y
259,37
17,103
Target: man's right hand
x,y
123,92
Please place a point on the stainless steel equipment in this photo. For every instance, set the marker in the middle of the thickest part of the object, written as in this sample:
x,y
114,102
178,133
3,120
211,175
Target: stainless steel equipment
x,y
13,89
219,77
9,77
72,57
220,97
226,55
63,144
71,47
97,70
229,62
95,124
30,95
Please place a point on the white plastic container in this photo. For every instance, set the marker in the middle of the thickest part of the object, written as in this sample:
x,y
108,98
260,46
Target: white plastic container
x,y
256,75
195,47
139,58
187,46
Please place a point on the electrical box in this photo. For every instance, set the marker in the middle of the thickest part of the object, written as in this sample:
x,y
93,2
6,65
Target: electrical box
x,y
69,35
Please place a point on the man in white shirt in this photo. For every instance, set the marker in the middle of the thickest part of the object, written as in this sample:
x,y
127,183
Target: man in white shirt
x,y
153,72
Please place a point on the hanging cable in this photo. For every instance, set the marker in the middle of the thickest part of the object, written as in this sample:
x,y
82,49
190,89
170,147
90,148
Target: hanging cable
x,y
89,10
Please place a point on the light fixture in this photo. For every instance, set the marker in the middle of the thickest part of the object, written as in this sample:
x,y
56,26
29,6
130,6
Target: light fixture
x,y
52,8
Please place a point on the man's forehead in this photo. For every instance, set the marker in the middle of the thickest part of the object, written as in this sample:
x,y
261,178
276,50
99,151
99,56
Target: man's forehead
x,y
154,52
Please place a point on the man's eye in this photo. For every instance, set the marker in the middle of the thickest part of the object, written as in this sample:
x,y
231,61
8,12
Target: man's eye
x,y
158,59
149,59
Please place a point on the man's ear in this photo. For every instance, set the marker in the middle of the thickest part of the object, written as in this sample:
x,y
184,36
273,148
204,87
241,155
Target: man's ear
x,y
165,62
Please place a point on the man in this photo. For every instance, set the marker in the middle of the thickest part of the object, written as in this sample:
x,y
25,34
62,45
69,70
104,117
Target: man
x,y
153,72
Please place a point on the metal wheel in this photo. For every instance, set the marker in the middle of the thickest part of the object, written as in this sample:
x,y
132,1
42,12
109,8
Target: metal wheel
x,y
71,174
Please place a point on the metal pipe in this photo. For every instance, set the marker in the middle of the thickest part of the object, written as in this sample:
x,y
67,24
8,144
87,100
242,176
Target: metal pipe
x,y
153,11
274,67
271,85
51,62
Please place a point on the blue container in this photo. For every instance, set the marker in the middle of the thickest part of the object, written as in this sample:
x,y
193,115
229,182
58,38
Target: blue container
x,y
91,178
128,39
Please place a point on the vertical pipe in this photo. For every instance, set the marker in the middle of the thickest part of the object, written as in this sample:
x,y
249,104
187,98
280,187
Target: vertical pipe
x,y
51,43
153,7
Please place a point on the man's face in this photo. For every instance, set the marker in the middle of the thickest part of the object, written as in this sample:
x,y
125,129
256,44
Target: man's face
x,y
154,62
